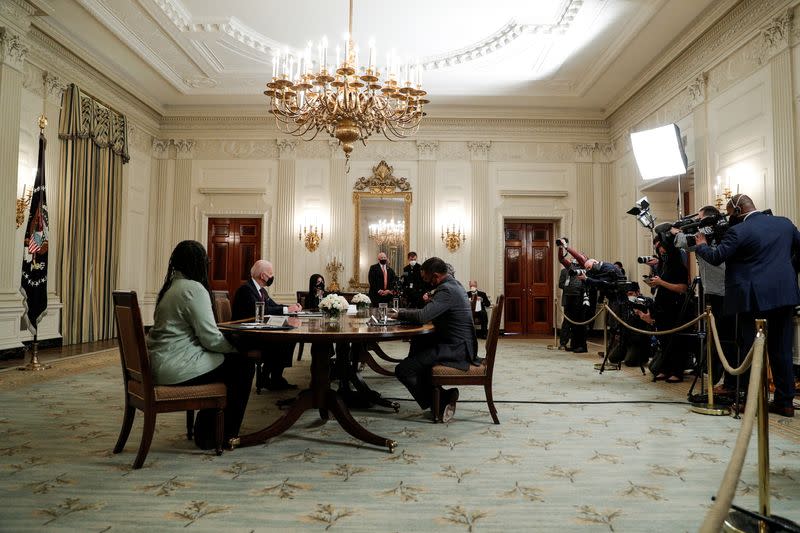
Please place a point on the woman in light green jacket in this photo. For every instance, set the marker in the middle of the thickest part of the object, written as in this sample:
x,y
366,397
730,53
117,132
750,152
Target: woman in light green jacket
x,y
187,348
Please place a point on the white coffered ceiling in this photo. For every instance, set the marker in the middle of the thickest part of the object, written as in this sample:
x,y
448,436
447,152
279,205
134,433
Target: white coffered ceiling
x,y
528,57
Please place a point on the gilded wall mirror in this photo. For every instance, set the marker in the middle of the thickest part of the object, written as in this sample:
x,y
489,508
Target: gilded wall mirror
x,y
382,219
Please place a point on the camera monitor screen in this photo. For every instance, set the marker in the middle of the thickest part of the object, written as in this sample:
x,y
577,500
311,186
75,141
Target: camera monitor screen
x,y
659,152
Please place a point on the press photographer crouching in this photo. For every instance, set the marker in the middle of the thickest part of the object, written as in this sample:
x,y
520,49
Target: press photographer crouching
x,y
713,225
671,307
760,282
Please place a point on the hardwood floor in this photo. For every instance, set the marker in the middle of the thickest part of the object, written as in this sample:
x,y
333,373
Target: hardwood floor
x,y
61,352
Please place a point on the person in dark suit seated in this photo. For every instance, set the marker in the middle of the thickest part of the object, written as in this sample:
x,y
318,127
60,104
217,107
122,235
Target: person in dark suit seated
x,y
452,344
279,354
413,287
316,291
187,348
480,310
760,282
382,279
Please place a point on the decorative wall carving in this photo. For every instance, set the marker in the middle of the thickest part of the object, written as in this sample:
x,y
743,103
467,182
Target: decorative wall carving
x,y
427,149
160,148
697,90
286,148
139,139
12,49
774,37
382,181
479,150
184,148
588,152
236,149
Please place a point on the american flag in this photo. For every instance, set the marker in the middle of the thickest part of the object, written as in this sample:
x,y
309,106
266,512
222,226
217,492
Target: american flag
x,y
35,242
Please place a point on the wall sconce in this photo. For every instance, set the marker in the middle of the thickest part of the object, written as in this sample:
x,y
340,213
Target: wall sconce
x,y
311,236
452,237
333,268
22,205
723,197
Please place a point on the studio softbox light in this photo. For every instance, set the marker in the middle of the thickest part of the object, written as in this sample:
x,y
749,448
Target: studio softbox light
x,y
659,152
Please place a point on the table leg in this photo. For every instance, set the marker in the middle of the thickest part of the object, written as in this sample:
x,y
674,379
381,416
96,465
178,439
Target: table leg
x,y
366,357
363,391
346,420
375,347
302,403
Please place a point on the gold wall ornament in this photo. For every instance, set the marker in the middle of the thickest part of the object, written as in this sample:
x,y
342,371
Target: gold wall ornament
x,y
333,268
453,237
311,236
23,204
382,181
349,102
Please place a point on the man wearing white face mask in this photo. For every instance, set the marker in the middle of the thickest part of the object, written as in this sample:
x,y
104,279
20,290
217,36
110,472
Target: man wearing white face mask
x,y
279,356
482,302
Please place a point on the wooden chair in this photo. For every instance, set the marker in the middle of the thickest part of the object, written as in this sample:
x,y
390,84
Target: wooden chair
x,y
222,307
143,394
475,375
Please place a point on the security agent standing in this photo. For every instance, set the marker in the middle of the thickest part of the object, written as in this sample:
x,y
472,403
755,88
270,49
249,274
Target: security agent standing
x,y
713,279
572,300
761,282
382,280
412,282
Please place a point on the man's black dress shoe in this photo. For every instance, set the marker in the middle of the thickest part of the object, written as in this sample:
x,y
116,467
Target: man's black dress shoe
x,y
580,349
782,410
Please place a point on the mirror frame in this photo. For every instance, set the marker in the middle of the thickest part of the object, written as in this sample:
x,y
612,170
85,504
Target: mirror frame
x,y
382,184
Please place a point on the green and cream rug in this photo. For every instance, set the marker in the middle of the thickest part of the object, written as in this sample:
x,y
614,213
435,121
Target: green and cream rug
x,y
575,451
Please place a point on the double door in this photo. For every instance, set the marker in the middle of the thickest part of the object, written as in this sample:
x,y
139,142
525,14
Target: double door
x,y
528,267
234,244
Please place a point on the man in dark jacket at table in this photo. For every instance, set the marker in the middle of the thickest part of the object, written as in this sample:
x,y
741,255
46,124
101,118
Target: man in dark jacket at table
x,y
279,355
453,343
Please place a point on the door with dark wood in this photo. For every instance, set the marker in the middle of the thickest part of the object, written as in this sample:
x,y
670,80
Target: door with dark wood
x,y
234,244
528,270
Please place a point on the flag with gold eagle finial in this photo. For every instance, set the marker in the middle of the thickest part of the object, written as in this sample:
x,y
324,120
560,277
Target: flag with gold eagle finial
x,y
34,257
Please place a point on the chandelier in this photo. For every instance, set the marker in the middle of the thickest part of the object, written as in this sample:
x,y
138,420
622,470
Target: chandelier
x,y
349,102
388,233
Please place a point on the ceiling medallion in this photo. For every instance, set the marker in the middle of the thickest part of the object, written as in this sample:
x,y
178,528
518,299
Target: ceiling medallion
x,y
349,104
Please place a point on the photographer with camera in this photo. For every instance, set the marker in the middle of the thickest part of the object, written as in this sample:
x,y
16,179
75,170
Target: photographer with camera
x,y
575,301
760,282
712,224
670,306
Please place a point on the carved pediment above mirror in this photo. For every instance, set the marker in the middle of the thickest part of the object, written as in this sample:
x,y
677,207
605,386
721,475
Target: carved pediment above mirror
x,y
382,181
382,209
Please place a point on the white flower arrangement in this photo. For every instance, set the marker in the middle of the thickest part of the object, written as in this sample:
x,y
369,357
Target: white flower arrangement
x,y
333,304
361,300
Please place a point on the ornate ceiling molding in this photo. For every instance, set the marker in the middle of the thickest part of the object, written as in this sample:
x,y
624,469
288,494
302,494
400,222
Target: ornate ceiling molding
x,y
697,90
382,181
479,150
287,148
774,37
12,49
713,46
427,150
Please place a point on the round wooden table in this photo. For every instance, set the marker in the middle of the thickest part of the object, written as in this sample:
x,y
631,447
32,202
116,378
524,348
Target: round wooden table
x,y
322,336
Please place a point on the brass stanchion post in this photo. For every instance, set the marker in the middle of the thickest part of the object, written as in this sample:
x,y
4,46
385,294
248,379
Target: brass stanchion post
x,y
554,346
34,363
763,437
709,408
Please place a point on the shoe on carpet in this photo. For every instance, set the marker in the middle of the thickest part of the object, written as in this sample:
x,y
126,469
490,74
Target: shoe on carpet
x,y
782,410
580,349
674,379
448,409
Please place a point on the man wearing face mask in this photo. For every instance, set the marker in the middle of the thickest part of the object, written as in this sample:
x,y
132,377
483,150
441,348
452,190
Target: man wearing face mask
x,y
279,355
381,281
482,303
761,282
412,282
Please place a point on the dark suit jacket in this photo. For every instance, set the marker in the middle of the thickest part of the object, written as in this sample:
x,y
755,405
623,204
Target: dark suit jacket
x,y
454,342
757,253
485,301
244,303
375,278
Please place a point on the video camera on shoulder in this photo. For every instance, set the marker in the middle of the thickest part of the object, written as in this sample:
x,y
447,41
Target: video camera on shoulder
x,y
714,227
577,272
642,303
643,259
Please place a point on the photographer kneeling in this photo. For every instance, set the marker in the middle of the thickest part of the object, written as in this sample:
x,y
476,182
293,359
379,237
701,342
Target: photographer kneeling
x,y
669,309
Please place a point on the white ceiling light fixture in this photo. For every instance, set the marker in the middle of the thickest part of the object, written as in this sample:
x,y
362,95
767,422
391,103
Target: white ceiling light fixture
x,y
659,152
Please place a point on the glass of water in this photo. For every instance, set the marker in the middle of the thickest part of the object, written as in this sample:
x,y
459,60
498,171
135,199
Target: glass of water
x,y
259,319
382,315
395,303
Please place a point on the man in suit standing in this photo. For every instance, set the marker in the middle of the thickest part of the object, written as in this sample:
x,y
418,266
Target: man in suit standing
x,y
482,303
412,282
279,355
452,344
381,281
760,282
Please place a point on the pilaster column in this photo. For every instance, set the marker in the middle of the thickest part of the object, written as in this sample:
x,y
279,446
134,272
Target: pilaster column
x,y
605,231
786,190
581,235
482,231
703,193
182,190
12,59
159,236
285,237
426,198
341,204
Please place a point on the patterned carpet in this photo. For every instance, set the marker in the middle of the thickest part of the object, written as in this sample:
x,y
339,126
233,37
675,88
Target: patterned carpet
x,y
589,452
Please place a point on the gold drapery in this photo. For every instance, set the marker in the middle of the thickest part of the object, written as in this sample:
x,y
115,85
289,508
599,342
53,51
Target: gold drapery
x,y
93,149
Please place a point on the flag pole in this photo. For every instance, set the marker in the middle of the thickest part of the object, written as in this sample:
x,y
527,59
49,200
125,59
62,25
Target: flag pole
x,y
34,364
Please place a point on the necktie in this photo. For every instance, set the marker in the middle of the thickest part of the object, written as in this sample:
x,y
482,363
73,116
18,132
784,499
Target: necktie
x,y
263,295
385,278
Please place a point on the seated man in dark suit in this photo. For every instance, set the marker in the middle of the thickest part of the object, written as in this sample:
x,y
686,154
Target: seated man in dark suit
x,y
482,303
760,282
279,355
382,280
452,344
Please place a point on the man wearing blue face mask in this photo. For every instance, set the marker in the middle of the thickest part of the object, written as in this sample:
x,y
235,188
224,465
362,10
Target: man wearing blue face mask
x,y
269,373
